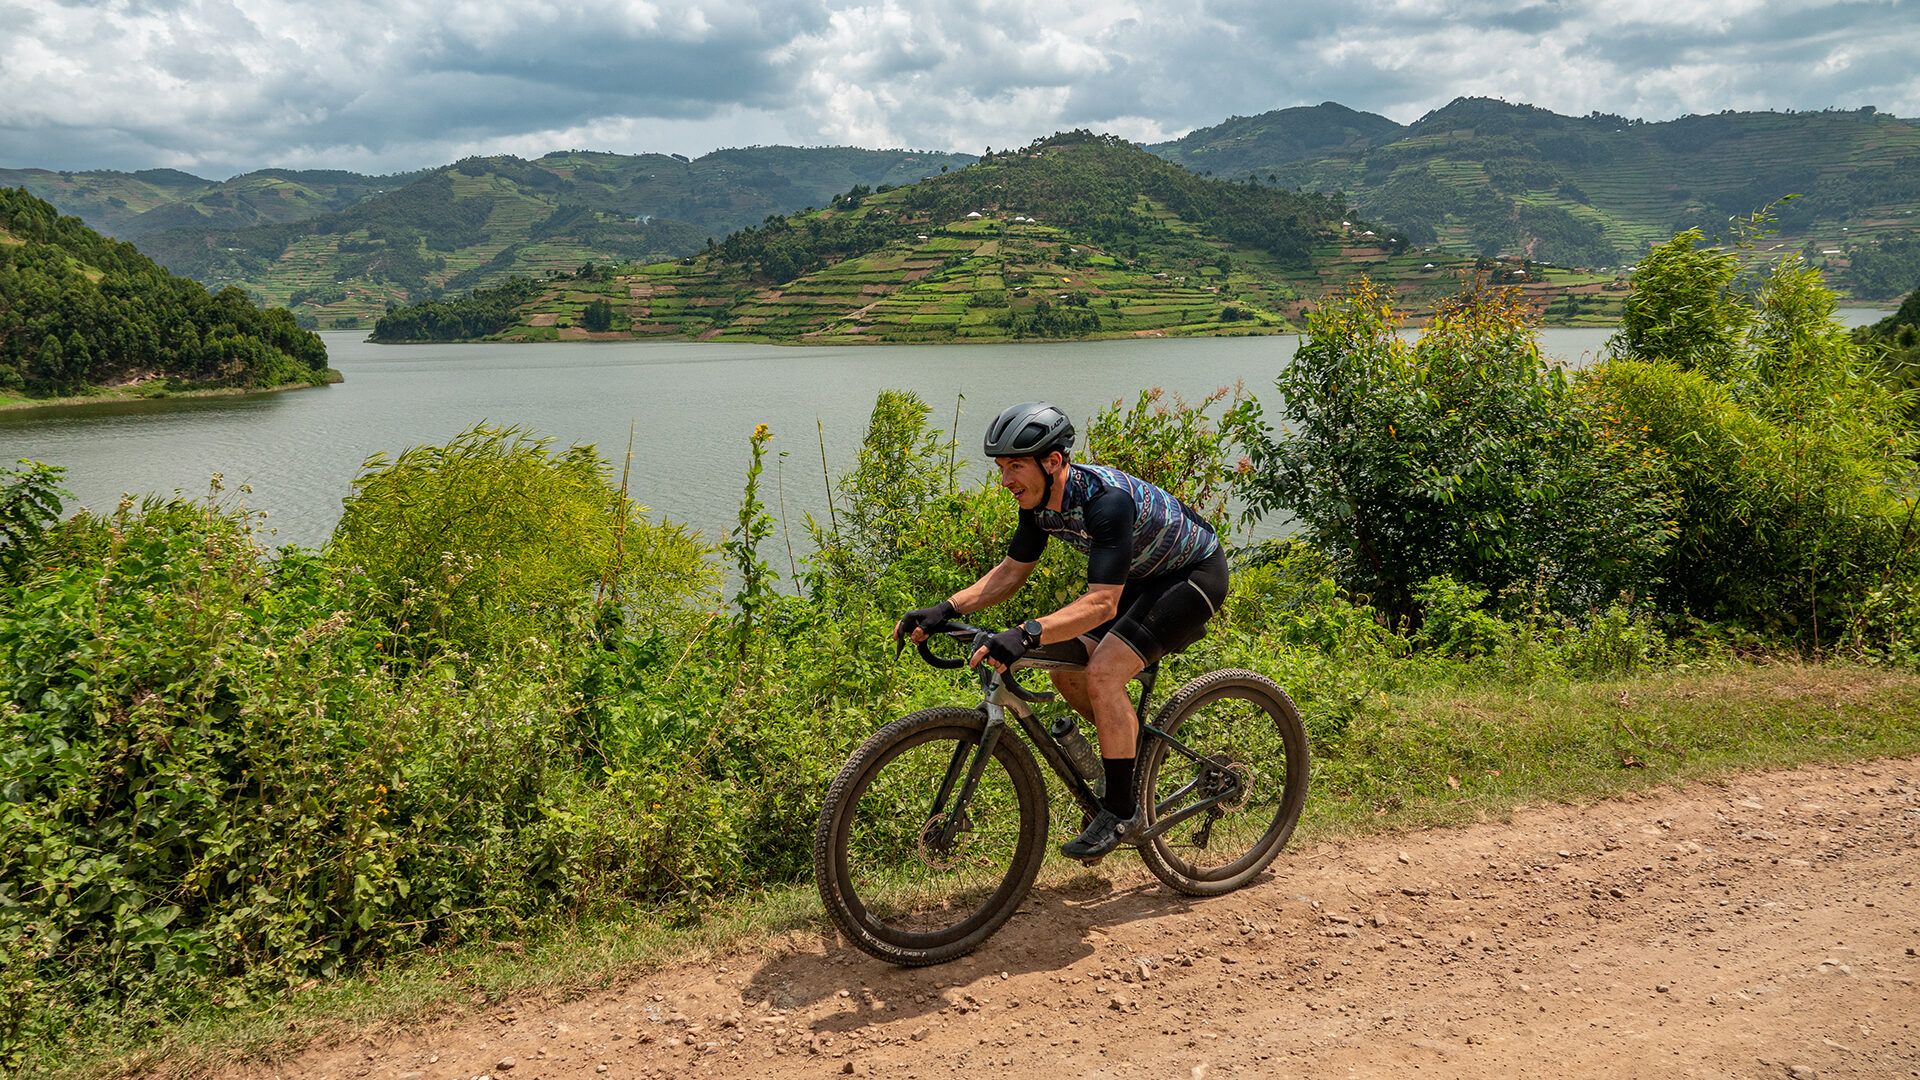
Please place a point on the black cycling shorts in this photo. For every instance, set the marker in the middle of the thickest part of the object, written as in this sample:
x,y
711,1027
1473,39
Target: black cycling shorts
x,y
1161,615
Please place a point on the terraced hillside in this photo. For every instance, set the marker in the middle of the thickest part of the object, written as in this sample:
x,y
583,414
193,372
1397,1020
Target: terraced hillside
x,y
1487,177
1074,236
483,220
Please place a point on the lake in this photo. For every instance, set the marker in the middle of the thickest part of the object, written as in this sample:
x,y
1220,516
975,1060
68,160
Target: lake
x,y
689,406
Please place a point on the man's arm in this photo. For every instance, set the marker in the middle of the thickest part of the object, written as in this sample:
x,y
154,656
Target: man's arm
x,y
1084,612
994,586
1110,524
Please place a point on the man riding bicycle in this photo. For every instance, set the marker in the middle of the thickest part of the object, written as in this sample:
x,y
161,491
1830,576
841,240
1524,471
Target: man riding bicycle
x,y
1155,574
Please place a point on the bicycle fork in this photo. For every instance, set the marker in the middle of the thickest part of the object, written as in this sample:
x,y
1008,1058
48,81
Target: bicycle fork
x,y
956,819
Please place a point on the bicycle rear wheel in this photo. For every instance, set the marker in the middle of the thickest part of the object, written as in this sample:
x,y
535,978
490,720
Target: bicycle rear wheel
x,y
892,884
1249,755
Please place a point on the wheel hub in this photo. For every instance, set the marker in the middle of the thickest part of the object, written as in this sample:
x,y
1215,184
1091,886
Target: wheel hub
x,y
938,853
1226,779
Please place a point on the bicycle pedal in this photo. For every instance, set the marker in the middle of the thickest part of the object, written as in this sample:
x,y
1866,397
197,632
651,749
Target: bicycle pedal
x,y
1093,860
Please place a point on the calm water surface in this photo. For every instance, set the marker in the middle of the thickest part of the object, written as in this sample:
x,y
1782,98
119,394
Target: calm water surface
x,y
690,408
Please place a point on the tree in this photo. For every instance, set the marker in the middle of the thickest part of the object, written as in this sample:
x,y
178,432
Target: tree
x,y
1464,454
598,316
1684,308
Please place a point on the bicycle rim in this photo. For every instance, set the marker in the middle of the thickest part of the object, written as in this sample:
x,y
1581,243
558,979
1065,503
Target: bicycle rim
x,y
903,885
1250,748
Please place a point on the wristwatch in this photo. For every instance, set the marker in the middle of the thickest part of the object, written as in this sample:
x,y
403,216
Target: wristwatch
x,y
1030,632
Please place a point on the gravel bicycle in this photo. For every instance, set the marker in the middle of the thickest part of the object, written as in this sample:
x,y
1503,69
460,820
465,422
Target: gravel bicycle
x,y
934,830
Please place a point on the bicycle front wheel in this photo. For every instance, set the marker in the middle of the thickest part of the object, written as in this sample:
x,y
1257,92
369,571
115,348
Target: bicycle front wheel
x,y
1239,750
903,874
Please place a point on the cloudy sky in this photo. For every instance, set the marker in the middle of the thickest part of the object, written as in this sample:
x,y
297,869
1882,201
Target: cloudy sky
x,y
222,86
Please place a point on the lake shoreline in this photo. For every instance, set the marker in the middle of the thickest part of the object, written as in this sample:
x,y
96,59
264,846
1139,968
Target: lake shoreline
x,y
620,338
132,392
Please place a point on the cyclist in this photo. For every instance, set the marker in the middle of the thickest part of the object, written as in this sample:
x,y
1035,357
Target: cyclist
x,y
1155,574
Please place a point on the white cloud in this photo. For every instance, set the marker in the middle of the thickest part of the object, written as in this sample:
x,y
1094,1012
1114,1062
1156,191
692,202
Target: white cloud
x,y
224,85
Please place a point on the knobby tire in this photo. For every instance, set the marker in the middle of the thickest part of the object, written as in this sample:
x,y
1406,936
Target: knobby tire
x,y
888,893
1246,723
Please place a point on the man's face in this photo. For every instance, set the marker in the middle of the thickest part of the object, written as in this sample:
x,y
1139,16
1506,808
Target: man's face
x,y
1022,477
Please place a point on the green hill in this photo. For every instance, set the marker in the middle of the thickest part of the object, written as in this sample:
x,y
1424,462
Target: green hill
x,y
132,206
1076,235
79,311
1253,146
1487,177
482,220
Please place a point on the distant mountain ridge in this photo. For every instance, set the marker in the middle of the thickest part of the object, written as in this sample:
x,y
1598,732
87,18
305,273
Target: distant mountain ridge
x,y
1073,236
338,248
1490,177
132,206
1475,177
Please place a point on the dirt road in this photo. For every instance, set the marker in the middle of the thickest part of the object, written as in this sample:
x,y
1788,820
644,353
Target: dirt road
x,y
1764,928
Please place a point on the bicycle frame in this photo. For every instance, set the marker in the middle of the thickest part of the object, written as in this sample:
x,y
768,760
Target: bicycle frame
x,y
1001,696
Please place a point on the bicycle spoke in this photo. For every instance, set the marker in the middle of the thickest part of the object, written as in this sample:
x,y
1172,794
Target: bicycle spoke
x,y
908,869
1234,775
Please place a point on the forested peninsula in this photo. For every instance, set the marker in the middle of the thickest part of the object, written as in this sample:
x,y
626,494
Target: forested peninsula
x,y
82,316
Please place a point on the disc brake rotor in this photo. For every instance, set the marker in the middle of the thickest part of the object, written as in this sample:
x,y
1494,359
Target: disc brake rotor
x,y
1229,779
936,854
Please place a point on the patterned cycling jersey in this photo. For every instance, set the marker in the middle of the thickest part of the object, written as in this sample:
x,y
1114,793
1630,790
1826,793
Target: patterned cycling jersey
x,y
1128,529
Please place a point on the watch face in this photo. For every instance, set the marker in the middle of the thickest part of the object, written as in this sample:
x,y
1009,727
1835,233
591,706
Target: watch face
x,y
1031,628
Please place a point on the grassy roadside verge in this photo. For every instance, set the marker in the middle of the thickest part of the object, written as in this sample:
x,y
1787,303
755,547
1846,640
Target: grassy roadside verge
x,y
151,390
1442,754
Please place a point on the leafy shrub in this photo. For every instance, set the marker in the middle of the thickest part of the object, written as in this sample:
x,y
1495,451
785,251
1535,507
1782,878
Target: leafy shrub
x,y
1684,307
30,501
1616,641
1777,525
1453,621
1781,442
1463,454
211,776
493,539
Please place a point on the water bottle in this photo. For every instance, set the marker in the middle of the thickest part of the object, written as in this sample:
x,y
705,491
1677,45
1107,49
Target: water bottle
x,y
1085,759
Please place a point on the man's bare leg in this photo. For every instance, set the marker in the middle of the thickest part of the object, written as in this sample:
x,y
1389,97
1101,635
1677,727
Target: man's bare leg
x,y
1072,686
1113,663
1105,685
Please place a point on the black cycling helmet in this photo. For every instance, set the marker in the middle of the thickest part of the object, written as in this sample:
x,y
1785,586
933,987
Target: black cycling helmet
x,y
1029,429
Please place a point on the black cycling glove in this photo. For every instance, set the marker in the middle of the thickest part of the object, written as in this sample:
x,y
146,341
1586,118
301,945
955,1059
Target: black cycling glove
x,y
925,618
1007,645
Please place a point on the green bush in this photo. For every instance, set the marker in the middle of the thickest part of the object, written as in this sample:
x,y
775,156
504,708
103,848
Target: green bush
x,y
1777,526
1454,621
1463,454
213,776
1783,450
30,502
493,539
1684,307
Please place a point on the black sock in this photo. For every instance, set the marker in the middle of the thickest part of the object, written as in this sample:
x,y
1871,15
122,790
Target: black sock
x,y
1119,797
